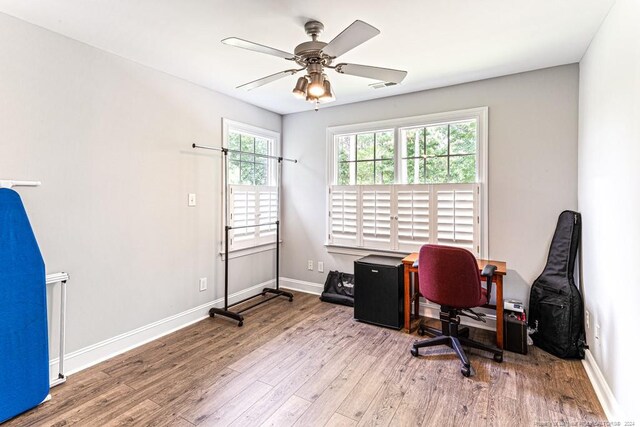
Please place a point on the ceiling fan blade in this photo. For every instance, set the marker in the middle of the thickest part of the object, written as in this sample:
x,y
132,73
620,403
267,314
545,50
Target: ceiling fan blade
x,y
377,73
244,44
263,81
352,36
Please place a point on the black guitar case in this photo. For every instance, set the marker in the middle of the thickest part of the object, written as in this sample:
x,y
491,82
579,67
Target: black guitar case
x,y
556,311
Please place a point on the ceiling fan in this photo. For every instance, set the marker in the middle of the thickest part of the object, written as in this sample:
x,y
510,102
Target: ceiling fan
x,y
315,56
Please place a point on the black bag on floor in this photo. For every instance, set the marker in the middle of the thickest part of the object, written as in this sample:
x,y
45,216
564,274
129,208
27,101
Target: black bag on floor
x,y
556,311
338,288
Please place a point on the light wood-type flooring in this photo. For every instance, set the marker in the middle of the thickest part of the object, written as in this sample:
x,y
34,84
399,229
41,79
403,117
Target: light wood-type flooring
x,y
308,363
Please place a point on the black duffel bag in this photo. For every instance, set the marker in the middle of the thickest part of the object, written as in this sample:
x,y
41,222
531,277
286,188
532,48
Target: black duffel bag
x,y
338,288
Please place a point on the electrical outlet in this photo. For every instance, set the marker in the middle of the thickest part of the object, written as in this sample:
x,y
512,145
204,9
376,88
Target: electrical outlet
x,y
203,284
587,322
597,334
320,267
310,265
192,199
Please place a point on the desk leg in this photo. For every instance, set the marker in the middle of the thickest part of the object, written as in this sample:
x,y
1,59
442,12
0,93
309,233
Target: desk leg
x,y
499,312
416,294
407,299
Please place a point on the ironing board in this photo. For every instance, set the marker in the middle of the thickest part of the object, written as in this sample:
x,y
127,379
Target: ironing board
x,y
24,353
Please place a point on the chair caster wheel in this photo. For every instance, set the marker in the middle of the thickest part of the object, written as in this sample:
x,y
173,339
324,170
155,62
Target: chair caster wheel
x,y
498,357
414,352
240,324
290,299
466,371
421,332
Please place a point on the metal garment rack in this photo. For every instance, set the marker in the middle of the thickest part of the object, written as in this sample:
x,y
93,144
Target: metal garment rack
x,y
275,292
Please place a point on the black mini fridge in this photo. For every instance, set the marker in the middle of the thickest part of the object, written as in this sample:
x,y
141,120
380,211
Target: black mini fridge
x,y
379,291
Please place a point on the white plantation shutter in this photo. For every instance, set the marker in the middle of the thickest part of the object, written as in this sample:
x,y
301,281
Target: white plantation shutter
x,y
405,217
413,214
267,213
343,215
242,204
376,216
456,210
252,205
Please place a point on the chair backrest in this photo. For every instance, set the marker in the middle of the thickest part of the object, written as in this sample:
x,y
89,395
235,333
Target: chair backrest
x,y
449,276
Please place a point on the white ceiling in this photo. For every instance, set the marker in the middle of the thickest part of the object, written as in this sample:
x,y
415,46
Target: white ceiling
x,y
439,42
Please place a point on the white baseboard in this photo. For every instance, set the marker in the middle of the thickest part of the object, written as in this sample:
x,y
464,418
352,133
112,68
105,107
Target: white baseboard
x,y
101,351
604,393
301,286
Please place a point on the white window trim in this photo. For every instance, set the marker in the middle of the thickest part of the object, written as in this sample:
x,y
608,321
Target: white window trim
x,y
480,114
227,125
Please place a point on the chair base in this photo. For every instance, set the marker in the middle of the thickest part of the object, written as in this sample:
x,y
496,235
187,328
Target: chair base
x,y
454,337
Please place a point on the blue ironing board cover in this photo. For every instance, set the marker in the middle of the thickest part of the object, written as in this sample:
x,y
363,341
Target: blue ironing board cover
x,y
24,352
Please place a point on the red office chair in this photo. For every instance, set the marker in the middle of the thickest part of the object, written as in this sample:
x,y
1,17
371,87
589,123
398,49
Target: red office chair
x,y
449,277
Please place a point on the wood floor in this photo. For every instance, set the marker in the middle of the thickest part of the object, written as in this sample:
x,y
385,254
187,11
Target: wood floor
x,y
308,363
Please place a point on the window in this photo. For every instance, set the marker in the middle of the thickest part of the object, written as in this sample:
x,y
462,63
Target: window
x,y
366,158
252,194
399,184
246,168
442,153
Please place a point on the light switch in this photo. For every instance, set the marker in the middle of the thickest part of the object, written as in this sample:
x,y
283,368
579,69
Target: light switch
x,y
192,199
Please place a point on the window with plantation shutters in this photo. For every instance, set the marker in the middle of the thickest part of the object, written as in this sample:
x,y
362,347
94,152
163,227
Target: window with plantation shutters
x,y
396,185
252,206
343,215
252,194
376,216
242,205
457,216
405,217
267,213
413,209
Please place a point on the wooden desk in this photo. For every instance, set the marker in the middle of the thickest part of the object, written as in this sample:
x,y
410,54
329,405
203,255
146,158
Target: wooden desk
x,y
414,296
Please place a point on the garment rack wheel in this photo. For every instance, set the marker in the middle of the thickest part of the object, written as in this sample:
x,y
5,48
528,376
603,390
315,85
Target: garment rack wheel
x,y
466,371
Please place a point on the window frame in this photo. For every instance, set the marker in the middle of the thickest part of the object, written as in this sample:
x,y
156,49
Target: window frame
x,y
480,114
258,243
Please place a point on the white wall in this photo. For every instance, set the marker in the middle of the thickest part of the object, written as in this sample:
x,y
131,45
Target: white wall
x,y
532,167
110,141
609,198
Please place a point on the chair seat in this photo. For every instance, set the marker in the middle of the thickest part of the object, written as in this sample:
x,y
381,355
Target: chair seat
x,y
483,299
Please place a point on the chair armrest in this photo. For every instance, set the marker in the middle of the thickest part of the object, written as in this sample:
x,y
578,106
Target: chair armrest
x,y
488,271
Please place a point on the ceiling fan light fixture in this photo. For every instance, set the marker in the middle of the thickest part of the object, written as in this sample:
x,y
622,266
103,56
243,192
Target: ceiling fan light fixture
x,y
328,94
315,56
316,87
300,91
